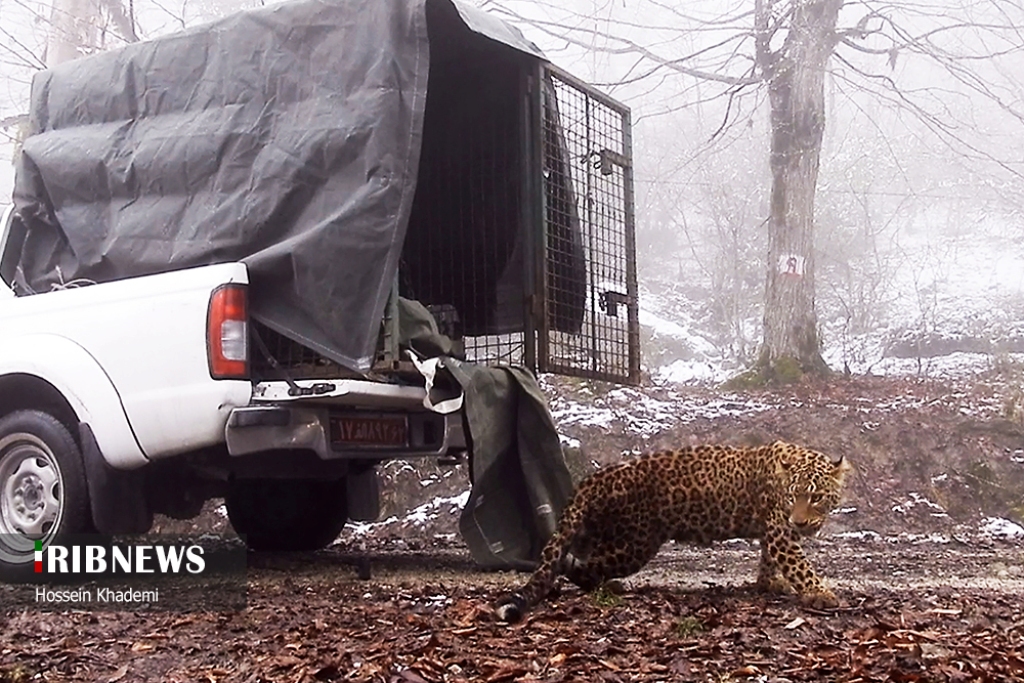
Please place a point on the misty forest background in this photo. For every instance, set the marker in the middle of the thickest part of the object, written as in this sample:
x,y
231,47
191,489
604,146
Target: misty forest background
x,y
895,173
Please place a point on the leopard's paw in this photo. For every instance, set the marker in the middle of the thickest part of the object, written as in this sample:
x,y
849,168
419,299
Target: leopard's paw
x,y
821,599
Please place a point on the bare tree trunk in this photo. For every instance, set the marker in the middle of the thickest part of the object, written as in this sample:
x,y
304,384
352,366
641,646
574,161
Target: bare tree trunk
x,y
72,26
796,77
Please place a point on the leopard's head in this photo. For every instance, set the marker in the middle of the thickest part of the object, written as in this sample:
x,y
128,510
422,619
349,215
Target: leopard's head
x,y
814,485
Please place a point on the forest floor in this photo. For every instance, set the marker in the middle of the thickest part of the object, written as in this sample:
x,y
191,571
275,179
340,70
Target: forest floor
x,y
910,612
929,591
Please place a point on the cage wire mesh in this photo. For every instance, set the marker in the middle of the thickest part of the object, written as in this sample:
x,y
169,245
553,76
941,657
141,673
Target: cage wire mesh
x,y
463,255
588,192
274,356
472,242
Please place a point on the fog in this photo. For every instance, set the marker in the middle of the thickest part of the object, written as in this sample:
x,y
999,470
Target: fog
x,y
918,216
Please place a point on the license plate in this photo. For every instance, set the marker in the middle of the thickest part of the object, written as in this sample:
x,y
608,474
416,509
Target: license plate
x,y
368,431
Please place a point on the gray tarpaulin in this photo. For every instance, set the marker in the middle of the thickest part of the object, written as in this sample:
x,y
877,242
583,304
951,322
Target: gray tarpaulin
x,y
520,481
287,137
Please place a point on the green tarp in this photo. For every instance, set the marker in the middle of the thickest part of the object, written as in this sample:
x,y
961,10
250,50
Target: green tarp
x,y
520,480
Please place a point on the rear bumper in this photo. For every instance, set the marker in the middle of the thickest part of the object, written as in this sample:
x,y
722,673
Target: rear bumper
x,y
258,428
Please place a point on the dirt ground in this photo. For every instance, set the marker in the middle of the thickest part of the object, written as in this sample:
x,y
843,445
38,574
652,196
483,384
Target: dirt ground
x,y
910,612
925,597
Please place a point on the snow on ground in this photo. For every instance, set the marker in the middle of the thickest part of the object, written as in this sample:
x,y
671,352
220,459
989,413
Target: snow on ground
x,y
943,283
953,366
691,372
568,441
418,516
636,411
989,528
666,328
1001,528
916,500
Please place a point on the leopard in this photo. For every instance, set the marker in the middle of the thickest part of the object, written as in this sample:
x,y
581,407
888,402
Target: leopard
x,y
621,515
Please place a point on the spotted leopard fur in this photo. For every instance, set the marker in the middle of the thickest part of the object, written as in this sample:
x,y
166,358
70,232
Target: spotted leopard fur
x,y
621,515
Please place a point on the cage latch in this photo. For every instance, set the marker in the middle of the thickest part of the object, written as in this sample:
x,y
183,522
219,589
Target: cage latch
x,y
610,301
606,159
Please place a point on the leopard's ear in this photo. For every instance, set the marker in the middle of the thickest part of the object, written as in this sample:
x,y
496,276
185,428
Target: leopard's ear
x,y
841,468
787,455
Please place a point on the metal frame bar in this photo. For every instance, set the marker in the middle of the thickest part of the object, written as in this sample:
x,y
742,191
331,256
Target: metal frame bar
x,y
631,274
531,223
539,203
593,150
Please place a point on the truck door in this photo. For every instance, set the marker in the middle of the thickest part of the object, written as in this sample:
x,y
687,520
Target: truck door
x,y
588,325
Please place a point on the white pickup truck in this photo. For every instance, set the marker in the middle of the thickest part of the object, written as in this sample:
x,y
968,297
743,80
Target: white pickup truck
x,y
388,177
129,398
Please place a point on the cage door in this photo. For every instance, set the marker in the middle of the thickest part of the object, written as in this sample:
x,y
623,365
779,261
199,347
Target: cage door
x,y
589,325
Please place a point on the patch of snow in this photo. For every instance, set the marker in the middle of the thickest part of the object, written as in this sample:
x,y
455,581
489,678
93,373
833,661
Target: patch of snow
x,y
1017,456
419,515
918,539
996,527
917,499
637,412
690,372
222,510
859,535
845,510
874,536
664,327
437,600
571,413
940,478
568,441
399,466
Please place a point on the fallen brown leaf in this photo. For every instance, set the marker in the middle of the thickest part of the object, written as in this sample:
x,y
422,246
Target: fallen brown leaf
x,y
119,674
506,674
748,670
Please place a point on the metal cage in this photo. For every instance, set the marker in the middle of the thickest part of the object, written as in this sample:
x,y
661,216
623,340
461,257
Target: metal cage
x,y
521,237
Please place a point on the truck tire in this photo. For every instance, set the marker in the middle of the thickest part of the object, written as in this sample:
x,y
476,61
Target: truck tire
x,y
287,514
43,492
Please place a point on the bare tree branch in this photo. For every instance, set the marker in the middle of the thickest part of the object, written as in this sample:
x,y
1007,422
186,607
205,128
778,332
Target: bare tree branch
x,y
945,132
29,58
628,46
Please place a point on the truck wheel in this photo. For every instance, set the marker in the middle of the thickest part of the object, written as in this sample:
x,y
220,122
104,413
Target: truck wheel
x,y
287,514
43,493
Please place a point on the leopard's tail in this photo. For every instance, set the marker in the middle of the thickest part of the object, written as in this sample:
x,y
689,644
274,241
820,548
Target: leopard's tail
x,y
513,606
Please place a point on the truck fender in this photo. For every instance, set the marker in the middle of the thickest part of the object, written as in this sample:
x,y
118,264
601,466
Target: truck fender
x,y
83,383
117,498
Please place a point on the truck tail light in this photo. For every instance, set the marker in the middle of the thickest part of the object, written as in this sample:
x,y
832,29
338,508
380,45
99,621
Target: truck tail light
x,y
227,333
